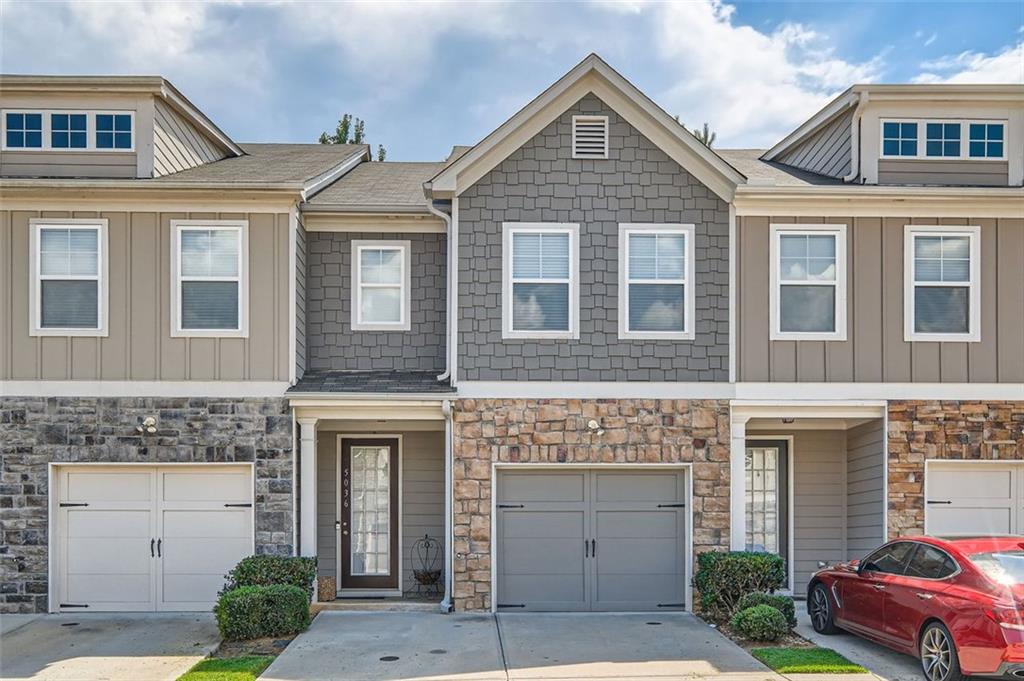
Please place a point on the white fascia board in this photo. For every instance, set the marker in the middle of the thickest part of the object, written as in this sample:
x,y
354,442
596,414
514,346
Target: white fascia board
x,y
236,389
830,111
181,103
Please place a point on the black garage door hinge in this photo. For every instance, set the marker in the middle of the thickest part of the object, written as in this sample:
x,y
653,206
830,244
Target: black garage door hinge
x,y
72,605
511,605
237,505
511,506
940,502
66,505
671,605
671,505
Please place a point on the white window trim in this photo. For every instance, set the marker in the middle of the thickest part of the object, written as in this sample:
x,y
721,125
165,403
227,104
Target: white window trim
x,y
507,230
90,131
35,287
607,133
973,334
922,139
688,281
242,228
404,323
840,284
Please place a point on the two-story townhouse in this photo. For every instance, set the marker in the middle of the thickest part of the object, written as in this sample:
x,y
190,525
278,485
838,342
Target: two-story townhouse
x,y
582,350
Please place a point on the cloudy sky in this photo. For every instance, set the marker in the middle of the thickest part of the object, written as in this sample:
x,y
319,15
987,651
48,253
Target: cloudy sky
x,y
428,75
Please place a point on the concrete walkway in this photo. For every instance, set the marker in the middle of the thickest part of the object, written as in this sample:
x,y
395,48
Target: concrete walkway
x,y
883,663
359,646
117,647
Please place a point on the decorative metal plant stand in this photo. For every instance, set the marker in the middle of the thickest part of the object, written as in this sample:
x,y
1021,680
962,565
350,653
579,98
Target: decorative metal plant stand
x,y
426,567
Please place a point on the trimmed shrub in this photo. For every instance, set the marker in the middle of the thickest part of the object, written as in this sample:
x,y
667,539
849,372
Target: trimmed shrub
x,y
723,578
257,611
267,570
760,623
783,604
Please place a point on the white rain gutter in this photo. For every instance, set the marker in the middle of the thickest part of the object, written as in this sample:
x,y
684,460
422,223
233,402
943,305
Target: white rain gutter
x,y
449,287
862,99
446,604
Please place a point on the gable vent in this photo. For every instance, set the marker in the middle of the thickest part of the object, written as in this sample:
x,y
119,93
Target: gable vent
x,y
590,137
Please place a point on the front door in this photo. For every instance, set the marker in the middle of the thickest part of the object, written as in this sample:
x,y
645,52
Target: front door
x,y
369,513
767,497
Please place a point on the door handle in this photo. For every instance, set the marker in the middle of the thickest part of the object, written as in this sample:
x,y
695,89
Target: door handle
x,y
879,587
593,548
925,597
586,549
151,542
158,543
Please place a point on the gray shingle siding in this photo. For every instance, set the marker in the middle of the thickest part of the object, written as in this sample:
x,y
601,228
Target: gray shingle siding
x,y
541,182
330,341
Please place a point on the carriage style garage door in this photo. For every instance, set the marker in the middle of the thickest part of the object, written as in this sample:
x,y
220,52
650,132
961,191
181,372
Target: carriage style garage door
x,y
970,498
591,539
149,537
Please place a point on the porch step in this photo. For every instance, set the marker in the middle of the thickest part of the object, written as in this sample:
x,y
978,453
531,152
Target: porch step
x,y
378,605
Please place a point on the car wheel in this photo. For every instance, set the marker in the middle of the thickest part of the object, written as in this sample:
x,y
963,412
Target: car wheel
x,y
820,611
938,654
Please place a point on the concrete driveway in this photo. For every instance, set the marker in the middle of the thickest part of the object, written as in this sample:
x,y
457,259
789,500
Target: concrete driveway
x,y
884,663
420,646
121,647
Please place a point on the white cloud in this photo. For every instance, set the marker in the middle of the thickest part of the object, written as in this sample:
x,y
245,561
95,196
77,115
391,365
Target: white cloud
x,y
753,87
1006,66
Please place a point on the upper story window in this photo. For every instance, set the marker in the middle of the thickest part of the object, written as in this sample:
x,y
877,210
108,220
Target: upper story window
x,y
808,287
113,131
69,268
985,140
62,130
942,300
943,139
590,137
540,273
23,130
656,292
209,278
68,131
381,285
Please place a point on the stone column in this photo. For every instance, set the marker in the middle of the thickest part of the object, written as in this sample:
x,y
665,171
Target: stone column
x,y
307,490
738,481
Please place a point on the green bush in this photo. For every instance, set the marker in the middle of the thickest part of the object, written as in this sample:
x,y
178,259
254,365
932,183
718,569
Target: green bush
x,y
256,611
783,604
723,578
269,570
760,623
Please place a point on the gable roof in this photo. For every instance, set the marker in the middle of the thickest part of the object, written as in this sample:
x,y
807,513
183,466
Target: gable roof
x,y
592,75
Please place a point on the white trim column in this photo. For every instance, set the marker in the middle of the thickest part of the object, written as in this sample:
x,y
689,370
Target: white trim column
x,y
307,486
737,480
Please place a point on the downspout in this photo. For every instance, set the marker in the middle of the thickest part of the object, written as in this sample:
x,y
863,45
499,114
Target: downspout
x,y
449,307
446,604
862,99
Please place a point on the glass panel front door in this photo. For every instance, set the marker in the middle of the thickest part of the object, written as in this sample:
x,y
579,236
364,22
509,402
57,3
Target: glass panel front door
x,y
371,511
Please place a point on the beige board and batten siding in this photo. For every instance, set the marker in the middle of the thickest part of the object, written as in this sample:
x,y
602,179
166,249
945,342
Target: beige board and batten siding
x,y
875,349
422,495
139,346
177,144
865,488
827,152
943,172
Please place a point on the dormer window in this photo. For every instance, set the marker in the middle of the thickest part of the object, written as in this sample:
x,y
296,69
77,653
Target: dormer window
x,y
63,130
23,130
69,131
930,139
113,131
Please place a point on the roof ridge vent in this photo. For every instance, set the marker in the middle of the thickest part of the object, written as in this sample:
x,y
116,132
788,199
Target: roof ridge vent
x,y
590,137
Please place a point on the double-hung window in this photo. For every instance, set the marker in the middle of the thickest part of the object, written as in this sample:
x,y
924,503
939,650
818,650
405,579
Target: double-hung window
x,y
69,272
656,291
540,273
808,282
381,285
942,297
209,278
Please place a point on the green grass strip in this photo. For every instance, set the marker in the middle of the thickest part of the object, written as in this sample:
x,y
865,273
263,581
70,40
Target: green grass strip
x,y
806,661
244,668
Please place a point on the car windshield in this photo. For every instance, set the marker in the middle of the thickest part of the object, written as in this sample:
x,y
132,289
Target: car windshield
x,y
1002,567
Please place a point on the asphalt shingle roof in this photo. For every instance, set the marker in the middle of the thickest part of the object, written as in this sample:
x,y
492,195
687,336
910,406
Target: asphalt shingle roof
x,y
379,184
270,164
758,172
406,382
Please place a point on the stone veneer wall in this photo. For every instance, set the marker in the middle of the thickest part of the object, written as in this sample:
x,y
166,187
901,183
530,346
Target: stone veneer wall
x,y
555,431
920,430
35,431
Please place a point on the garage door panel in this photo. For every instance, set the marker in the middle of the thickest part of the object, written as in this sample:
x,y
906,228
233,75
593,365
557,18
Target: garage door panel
x,y
114,555
190,591
110,591
638,556
542,524
223,486
542,556
206,524
950,521
544,592
966,498
556,487
101,486
83,523
635,487
192,555
963,482
636,524
650,592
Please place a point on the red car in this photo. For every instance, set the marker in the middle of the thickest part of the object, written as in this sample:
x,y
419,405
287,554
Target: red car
x,y
957,604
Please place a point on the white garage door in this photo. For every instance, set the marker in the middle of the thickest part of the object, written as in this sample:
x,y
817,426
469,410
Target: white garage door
x,y
971,498
149,537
